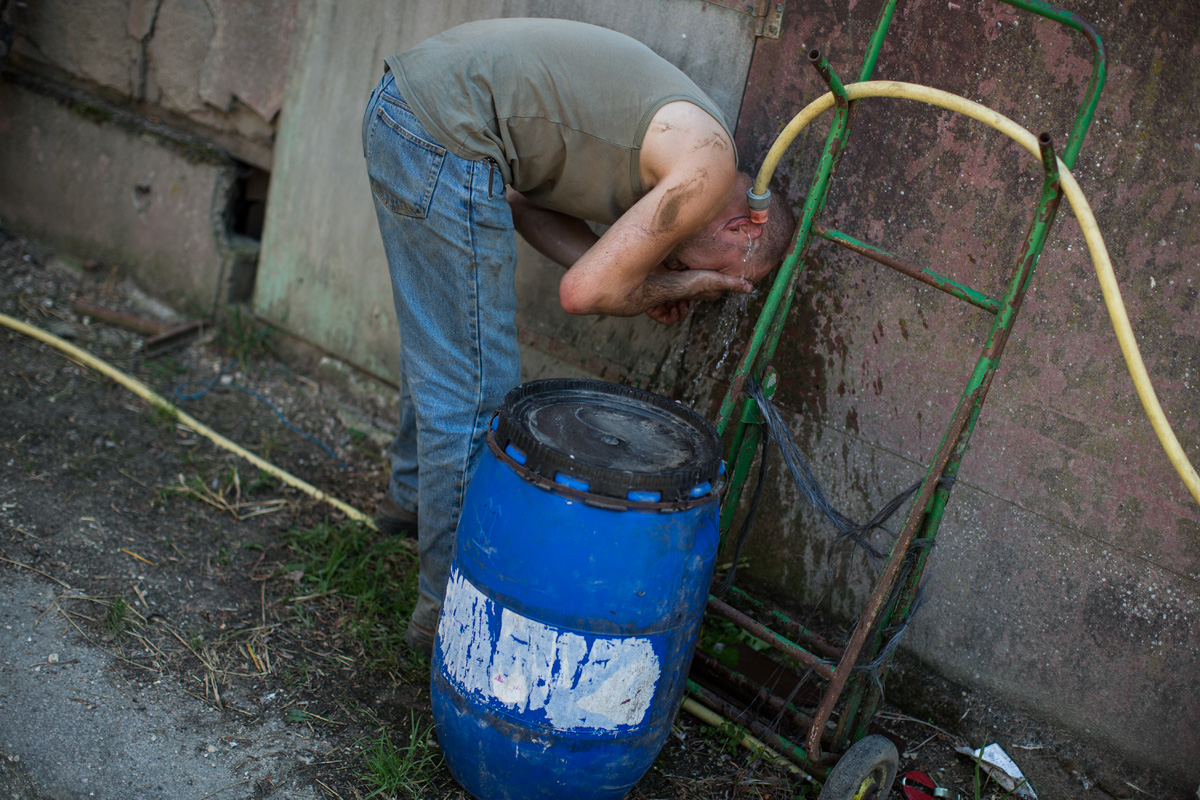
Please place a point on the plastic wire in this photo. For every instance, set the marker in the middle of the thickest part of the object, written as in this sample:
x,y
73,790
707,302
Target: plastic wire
x,y
810,488
182,395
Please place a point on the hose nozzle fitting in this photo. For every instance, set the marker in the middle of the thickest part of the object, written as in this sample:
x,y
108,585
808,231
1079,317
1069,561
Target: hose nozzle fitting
x,y
759,203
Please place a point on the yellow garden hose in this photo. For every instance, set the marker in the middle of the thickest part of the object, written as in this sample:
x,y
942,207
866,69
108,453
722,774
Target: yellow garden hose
x,y
744,738
1083,213
146,393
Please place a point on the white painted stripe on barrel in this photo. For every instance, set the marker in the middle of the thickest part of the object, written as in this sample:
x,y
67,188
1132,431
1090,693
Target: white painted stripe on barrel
x,y
532,666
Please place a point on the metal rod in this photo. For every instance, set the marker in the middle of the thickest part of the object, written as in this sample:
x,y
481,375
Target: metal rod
x,y
793,628
821,64
914,271
788,648
137,323
774,703
742,736
760,731
875,44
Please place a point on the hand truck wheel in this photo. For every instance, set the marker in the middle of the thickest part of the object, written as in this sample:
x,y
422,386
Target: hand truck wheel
x,y
865,772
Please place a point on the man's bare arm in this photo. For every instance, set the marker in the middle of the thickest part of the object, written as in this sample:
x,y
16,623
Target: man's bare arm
x,y
566,239
559,237
688,164
615,276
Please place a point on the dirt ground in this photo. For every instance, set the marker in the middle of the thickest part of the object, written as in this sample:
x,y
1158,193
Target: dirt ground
x,y
198,581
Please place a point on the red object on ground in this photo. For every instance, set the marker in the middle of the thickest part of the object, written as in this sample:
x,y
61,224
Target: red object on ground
x,y
916,786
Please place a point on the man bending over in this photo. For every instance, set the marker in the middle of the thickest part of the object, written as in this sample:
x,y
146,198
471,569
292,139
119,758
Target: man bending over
x,y
583,124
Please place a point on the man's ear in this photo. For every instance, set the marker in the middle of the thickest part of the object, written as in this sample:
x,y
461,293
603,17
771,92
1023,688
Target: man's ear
x,y
743,226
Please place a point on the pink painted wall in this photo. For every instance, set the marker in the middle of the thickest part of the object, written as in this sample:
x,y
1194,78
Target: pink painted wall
x,y
1066,576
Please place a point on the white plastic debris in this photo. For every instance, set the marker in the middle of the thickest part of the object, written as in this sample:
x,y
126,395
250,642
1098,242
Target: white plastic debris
x,y
1001,768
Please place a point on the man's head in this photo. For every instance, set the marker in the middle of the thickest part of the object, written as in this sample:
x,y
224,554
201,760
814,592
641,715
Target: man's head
x,y
733,244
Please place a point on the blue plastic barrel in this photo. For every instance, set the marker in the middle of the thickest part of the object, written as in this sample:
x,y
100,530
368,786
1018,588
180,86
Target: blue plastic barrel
x,y
584,555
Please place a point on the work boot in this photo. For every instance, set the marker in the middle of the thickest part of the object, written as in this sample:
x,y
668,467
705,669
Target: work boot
x,y
394,519
420,638
423,626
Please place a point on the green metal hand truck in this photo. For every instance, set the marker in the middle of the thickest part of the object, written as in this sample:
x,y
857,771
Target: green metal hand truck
x,y
840,755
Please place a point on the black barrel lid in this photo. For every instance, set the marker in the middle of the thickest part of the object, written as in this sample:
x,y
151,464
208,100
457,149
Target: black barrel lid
x,y
616,439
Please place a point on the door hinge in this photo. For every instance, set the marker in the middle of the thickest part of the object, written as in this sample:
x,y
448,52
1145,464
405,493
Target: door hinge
x,y
767,13
772,21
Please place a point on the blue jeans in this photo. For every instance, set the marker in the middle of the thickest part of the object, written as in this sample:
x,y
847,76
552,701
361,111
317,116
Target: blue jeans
x,y
448,233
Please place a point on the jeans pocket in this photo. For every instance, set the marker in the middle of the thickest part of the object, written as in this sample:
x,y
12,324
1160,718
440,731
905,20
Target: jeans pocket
x,y
402,166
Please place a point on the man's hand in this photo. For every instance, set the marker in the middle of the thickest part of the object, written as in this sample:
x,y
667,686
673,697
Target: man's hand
x,y
671,312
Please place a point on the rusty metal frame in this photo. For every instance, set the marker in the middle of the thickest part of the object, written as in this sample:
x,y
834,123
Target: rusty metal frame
x,y
891,600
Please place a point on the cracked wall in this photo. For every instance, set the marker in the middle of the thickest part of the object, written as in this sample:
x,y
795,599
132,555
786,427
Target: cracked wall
x,y
215,67
164,110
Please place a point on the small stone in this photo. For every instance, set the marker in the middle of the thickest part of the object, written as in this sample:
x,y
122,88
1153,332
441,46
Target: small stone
x,y
52,658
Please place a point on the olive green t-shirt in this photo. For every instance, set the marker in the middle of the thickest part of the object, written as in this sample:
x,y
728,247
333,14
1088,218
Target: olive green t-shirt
x,y
561,106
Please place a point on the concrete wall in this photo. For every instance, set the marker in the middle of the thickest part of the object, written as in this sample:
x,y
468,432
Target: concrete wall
x,y
1066,576
212,67
99,191
126,125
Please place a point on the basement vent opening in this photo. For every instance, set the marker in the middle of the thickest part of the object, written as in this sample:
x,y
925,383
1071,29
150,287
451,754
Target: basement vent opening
x,y
244,216
248,201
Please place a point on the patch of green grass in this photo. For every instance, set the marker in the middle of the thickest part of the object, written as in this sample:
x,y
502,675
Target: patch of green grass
x,y
296,676
302,617
370,580
163,417
240,333
163,368
723,739
403,770
263,481
116,618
